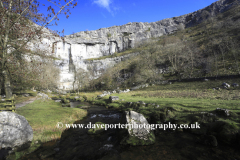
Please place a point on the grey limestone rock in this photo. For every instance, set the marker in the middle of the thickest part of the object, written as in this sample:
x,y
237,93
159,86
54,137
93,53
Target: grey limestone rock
x,y
223,112
113,98
235,85
226,85
139,131
15,131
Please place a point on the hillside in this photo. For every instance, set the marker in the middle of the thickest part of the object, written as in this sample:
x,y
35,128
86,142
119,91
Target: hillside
x,y
208,49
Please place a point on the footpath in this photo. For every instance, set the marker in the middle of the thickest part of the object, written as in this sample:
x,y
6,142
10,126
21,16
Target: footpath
x,y
18,105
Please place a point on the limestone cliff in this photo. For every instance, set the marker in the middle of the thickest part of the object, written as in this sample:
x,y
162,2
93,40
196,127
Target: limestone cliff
x,y
105,41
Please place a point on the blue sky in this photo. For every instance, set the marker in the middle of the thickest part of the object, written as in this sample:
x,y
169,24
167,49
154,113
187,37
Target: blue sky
x,y
95,14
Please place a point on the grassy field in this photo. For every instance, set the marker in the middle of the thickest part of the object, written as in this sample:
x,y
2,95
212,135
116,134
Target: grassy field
x,y
185,97
43,117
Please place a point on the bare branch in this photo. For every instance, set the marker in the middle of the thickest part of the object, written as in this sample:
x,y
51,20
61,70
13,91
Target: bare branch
x,y
20,15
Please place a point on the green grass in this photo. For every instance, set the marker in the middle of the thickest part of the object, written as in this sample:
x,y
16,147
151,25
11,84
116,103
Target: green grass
x,y
184,101
43,117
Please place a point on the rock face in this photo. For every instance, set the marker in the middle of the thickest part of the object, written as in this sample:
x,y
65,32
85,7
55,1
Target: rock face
x,y
76,48
15,131
139,131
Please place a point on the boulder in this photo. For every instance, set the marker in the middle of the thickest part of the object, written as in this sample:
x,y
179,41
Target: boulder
x,y
25,95
113,98
225,85
15,131
235,85
105,92
222,112
102,95
141,102
139,130
58,101
76,97
42,96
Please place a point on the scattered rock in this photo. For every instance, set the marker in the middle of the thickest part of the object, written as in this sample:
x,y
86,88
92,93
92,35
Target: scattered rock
x,y
235,85
222,112
141,102
225,85
113,98
42,96
76,97
25,95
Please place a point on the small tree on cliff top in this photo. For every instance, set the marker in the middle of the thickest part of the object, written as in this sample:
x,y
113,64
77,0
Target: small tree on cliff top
x,y
18,27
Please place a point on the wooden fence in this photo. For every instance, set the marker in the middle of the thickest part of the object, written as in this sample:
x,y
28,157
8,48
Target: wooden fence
x,y
7,105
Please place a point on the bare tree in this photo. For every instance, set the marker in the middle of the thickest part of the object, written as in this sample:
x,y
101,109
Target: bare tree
x,y
82,78
21,23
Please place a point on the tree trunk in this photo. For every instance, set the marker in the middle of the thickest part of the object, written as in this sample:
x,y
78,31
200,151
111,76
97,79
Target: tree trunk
x,y
7,87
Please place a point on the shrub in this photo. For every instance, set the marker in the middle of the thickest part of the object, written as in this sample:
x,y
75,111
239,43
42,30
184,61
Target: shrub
x,y
79,99
85,97
65,100
61,96
68,95
109,35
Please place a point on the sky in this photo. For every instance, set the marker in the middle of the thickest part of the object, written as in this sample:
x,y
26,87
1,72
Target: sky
x,y
95,14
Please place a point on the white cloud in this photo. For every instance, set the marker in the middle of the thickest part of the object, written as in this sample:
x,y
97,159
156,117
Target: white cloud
x,y
104,4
